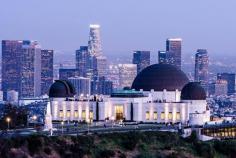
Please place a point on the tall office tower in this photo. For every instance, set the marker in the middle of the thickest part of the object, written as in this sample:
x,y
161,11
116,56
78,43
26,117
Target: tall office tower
x,y
82,61
173,49
12,96
101,86
201,67
113,75
162,59
1,95
98,63
127,74
21,67
81,85
31,69
11,69
142,59
221,87
46,70
101,66
65,74
94,43
230,78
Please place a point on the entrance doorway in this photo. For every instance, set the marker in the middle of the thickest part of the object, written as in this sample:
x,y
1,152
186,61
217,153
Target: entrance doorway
x,y
119,111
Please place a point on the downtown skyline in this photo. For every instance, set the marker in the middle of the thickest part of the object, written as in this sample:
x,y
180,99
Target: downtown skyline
x,y
200,24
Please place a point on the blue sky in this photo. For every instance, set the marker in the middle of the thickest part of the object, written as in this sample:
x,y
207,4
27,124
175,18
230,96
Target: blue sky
x,y
126,25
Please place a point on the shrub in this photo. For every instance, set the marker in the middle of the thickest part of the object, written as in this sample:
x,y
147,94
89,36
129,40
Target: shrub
x,y
105,153
35,144
226,147
130,140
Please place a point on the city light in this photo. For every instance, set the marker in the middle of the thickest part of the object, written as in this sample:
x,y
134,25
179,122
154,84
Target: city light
x,y
8,120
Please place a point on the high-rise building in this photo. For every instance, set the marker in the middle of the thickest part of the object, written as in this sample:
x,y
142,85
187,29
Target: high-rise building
x,y
173,50
127,74
201,67
101,66
21,67
65,74
83,61
221,87
1,95
98,62
47,70
113,75
142,59
94,43
11,69
230,78
81,85
101,86
162,59
31,70
12,96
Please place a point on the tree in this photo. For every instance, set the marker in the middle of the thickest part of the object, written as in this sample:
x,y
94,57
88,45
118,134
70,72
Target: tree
x,y
17,115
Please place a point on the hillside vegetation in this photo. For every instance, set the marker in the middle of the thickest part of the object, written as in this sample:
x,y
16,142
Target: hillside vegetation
x,y
121,145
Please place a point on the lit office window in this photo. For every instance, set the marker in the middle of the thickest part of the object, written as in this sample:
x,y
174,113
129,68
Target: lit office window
x,y
83,115
147,115
170,116
68,113
61,114
178,116
162,115
76,114
155,115
91,115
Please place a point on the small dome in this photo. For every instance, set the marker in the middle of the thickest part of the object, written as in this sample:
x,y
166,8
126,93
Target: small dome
x,y
61,89
193,91
160,77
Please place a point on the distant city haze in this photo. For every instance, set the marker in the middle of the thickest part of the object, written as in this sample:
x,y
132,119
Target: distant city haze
x,y
125,25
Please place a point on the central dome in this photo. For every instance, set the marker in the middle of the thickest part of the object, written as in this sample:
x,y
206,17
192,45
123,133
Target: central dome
x,y
160,77
61,89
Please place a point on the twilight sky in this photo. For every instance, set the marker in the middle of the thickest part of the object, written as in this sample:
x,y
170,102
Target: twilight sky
x,y
126,25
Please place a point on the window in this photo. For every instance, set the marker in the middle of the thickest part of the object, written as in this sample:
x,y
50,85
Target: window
x,y
119,112
83,115
162,115
61,114
91,115
68,113
170,116
76,114
178,116
147,115
155,115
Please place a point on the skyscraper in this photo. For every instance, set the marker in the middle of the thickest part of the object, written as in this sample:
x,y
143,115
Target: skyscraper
x,y
127,74
173,50
65,74
162,59
47,70
11,69
30,69
230,78
101,86
98,62
101,66
94,43
142,59
201,67
221,87
81,84
82,61
113,75
21,67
